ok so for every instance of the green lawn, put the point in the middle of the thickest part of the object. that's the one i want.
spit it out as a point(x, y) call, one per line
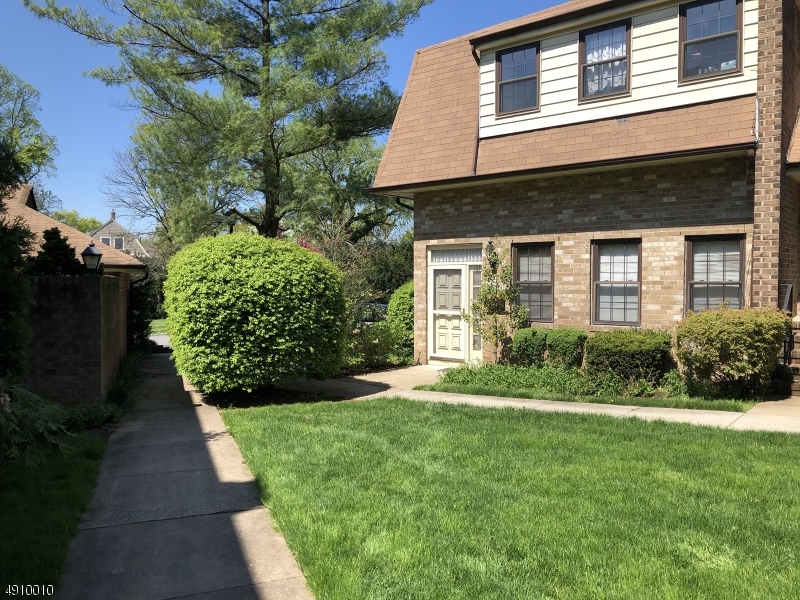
point(398, 499)
point(539, 394)
point(158, 326)
point(40, 508)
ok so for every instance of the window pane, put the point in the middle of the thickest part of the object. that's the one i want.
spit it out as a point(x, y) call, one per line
point(538, 299)
point(518, 95)
point(118, 243)
point(106, 241)
point(534, 263)
point(606, 44)
point(709, 295)
point(617, 302)
point(618, 262)
point(605, 78)
point(711, 56)
point(517, 64)
point(716, 260)
point(711, 18)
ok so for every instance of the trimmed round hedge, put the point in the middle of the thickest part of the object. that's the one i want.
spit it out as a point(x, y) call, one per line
point(245, 311)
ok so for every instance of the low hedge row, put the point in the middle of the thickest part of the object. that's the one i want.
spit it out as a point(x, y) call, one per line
point(725, 352)
point(563, 347)
point(629, 354)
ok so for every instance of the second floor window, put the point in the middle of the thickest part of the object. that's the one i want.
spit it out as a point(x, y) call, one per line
point(518, 77)
point(604, 60)
point(710, 38)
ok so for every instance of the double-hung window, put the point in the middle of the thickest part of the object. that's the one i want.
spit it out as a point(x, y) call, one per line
point(714, 272)
point(105, 240)
point(533, 275)
point(615, 276)
point(518, 79)
point(604, 60)
point(711, 34)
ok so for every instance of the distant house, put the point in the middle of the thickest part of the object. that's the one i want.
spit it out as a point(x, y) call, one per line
point(114, 235)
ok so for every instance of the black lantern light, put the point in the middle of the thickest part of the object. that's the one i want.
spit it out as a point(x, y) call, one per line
point(492, 257)
point(91, 258)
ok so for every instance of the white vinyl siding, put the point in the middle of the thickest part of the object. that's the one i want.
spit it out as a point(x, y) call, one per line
point(653, 71)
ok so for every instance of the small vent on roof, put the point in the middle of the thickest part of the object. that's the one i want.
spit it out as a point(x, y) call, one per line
point(623, 119)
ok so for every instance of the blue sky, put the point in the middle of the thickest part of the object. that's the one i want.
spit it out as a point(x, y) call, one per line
point(85, 116)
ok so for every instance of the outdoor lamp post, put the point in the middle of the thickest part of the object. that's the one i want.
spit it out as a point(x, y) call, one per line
point(91, 258)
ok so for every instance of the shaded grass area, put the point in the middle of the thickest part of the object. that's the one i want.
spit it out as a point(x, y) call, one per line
point(158, 326)
point(266, 396)
point(40, 508)
point(398, 499)
point(539, 394)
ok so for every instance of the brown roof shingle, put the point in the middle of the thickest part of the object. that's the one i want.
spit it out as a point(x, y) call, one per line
point(18, 205)
point(433, 136)
point(726, 123)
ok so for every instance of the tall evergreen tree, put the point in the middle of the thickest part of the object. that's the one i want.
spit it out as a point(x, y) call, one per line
point(23, 136)
point(256, 83)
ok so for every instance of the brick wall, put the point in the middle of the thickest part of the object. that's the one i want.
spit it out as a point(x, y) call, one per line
point(767, 192)
point(659, 204)
point(78, 328)
point(790, 197)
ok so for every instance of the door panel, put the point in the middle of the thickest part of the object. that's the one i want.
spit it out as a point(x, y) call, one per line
point(448, 327)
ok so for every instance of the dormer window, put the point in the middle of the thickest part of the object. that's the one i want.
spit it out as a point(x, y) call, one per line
point(604, 60)
point(518, 79)
point(710, 39)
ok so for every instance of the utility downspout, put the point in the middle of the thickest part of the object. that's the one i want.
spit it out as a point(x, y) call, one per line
point(478, 118)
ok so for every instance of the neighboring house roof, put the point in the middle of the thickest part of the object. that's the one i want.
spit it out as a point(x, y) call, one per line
point(22, 204)
point(112, 228)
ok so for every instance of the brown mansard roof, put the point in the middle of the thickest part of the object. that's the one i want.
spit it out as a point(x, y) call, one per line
point(23, 204)
point(433, 139)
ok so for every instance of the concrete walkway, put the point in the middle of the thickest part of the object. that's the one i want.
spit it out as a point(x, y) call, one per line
point(176, 513)
point(782, 415)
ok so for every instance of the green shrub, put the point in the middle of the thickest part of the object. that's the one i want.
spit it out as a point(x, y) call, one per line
point(731, 352)
point(142, 309)
point(56, 256)
point(529, 346)
point(565, 347)
point(91, 415)
point(672, 384)
point(629, 354)
point(371, 345)
point(555, 379)
point(245, 311)
point(15, 297)
point(28, 424)
point(400, 316)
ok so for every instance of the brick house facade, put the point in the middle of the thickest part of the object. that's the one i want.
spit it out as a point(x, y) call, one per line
point(679, 183)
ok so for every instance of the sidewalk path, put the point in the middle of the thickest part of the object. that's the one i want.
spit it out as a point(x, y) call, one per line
point(782, 415)
point(176, 513)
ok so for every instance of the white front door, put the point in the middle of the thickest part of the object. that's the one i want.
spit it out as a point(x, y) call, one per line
point(449, 329)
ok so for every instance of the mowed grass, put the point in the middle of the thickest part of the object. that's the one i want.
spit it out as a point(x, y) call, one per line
point(158, 326)
point(40, 508)
point(398, 499)
point(539, 394)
